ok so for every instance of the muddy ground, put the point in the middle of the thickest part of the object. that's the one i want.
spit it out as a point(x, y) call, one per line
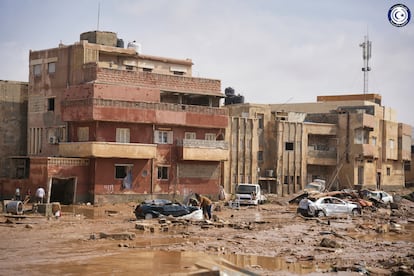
point(266, 240)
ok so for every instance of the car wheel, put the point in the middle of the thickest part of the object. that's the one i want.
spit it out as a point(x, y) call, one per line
point(355, 212)
point(320, 214)
point(148, 216)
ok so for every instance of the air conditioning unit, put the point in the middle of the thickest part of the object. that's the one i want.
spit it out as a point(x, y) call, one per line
point(53, 140)
point(269, 173)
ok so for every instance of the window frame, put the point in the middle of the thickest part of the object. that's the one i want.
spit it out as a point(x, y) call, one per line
point(123, 135)
point(51, 104)
point(51, 68)
point(125, 168)
point(287, 146)
point(37, 70)
point(163, 172)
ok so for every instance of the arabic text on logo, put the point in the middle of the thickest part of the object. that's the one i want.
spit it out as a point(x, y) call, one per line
point(399, 15)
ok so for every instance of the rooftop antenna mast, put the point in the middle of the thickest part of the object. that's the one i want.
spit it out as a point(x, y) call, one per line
point(366, 55)
point(99, 12)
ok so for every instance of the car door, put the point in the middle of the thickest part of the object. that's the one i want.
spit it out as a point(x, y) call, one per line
point(340, 206)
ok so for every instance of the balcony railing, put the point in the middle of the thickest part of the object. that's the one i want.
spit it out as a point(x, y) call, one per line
point(147, 105)
point(108, 150)
point(203, 150)
point(199, 143)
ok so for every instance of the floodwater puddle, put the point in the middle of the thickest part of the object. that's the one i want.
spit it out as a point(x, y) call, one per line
point(89, 212)
point(404, 232)
point(137, 262)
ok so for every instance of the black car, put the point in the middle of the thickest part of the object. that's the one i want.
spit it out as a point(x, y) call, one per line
point(162, 207)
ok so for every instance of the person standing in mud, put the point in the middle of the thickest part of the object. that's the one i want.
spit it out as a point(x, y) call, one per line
point(205, 205)
point(40, 194)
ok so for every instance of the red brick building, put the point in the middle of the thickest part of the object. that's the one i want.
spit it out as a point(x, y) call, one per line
point(107, 123)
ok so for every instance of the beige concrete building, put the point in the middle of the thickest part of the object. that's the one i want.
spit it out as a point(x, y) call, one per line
point(348, 141)
point(13, 116)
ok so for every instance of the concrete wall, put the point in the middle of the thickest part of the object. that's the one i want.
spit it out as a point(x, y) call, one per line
point(13, 124)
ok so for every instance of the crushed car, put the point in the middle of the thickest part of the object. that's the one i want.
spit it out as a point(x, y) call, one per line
point(379, 195)
point(331, 206)
point(155, 208)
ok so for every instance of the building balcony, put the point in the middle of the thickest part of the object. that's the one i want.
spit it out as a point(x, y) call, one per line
point(365, 150)
point(365, 121)
point(322, 157)
point(108, 150)
point(203, 150)
point(93, 109)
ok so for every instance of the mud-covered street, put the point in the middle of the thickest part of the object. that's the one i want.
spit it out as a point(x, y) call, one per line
point(267, 240)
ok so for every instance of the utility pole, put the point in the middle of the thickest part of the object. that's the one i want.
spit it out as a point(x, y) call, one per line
point(366, 55)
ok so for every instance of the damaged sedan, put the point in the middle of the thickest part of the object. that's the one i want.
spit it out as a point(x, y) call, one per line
point(162, 207)
point(331, 206)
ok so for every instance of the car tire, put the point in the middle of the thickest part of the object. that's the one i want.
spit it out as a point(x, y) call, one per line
point(356, 212)
point(320, 214)
point(148, 216)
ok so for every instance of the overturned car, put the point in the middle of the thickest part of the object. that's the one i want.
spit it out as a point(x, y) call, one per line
point(162, 207)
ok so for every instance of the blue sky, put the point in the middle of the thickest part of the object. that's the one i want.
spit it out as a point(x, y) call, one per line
point(270, 51)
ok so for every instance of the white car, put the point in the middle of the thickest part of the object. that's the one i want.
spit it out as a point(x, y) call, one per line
point(330, 206)
point(381, 195)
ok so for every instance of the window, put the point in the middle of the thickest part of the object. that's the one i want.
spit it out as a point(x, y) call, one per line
point(260, 155)
point(407, 166)
point(163, 173)
point(37, 70)
point(129, 67)
point(163, 137)
point(122, 170)
point(122, 135)
point(190, 135)
point(51, 67)
point(179, 73)
point(388, 171)
point(83, 134)
point(288, 146)
point(210, 136)
point(51, 104)
point(147, 70)
point(260, 117)
point(361, 136)
point(374, 140)
point(391, 143)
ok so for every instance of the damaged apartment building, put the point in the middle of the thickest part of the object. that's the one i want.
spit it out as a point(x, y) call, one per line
point(99, 122)
point(107, 123)
point(350, 141)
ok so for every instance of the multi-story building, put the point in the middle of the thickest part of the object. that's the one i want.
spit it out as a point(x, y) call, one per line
point(108, 123)
point(13, 125)
point(349, 141)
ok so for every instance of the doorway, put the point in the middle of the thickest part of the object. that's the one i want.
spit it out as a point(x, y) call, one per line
point(63, 190)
